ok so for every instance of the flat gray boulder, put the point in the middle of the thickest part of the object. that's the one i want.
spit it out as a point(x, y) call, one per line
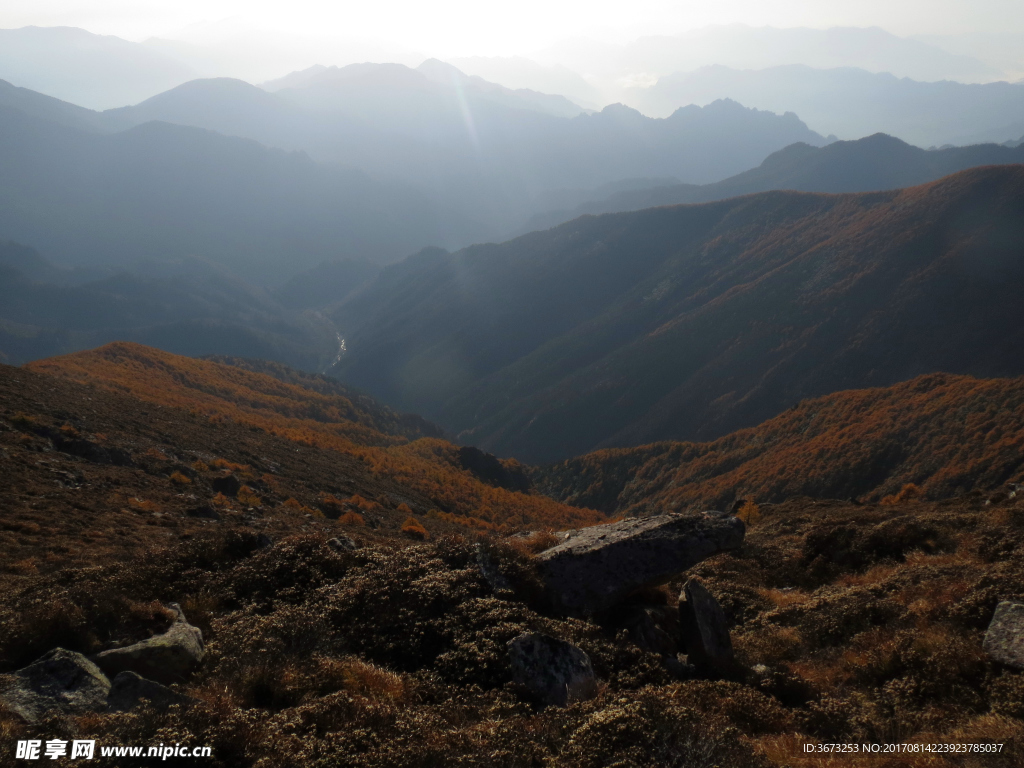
point(705, 627)
point(129, 691)
point(167, 658)
point(60, 681)
point(594, 568)
point(555, 672)
point(1004, 640)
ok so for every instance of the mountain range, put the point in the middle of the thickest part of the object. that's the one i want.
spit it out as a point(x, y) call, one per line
point(689, 322)
point(850, 102)
point(499, 155)
point(94, 71)
point(188, 306)
point(167, 192)
point(370, 162)
point(874, 163)
point(741, 46)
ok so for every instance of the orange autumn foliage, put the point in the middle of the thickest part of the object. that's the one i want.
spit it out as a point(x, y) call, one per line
point(413, 528)
point(936, 436)
point(218, 392)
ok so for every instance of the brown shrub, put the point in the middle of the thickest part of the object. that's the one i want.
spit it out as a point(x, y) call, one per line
point(414, 529)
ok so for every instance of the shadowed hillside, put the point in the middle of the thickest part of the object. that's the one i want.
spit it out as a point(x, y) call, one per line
point(690, 322)
point(323, 416)
point(947, 435)
point(187, 306)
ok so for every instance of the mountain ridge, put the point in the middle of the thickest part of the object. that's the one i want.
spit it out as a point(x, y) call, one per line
point(871, 164)
point(689, 322)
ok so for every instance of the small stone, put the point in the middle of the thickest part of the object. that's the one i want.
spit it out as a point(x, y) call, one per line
point(59, 681)
point(342, 544)
point(229, 485)
point(167, 658)
point(129, 690)
point(653, 628)
point(1004, 640)
point(555, 672)
point(489, 570)
point(204, 511)
point(705, 627)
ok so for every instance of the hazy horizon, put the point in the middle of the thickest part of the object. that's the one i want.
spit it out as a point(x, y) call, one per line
point(456, 28)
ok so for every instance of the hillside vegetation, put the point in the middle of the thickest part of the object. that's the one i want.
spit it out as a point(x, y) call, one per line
point(944, 435)
point(401, 450)
point(689, 322)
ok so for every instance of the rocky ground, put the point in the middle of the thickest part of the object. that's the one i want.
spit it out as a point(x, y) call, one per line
point(328, 643)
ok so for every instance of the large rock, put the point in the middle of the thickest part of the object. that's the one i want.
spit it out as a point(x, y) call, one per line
point(60, 681)
point(1004, 640)
point(555, 672)
point(128, 691)
point(595, 568)
point(705, 628)
point(167, 658)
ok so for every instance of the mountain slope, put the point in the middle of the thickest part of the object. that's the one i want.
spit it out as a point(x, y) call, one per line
point(163, 191)
point(334, 643)
point(946, 434)
point(874, 163)
point(690, 322)
point(322, 415)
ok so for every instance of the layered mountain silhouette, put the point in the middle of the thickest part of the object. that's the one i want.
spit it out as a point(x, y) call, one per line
point(168, 192)
point(428, 156)
point(189, 306)
point(690, 322)
point(497, 154)
point(744, 47)
point(851, 102)
point(874, 163)
point(94, 71)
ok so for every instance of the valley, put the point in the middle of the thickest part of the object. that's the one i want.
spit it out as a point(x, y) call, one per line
point(534, 387)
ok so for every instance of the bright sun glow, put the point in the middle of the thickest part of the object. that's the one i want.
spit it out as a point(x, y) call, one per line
point(469, 27)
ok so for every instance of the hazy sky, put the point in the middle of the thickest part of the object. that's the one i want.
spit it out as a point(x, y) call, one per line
point(501, 27)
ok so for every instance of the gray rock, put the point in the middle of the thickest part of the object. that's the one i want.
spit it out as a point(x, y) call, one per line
point(1004, 640)
point(129, 690)
point(653, 628)
point(60, 681)
point(342, 544)
point(489, 570)
point(204, 511)
point(705, 627)
point(228, 484)
point(555, 672)
point(594, 568)
point(167, 658)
